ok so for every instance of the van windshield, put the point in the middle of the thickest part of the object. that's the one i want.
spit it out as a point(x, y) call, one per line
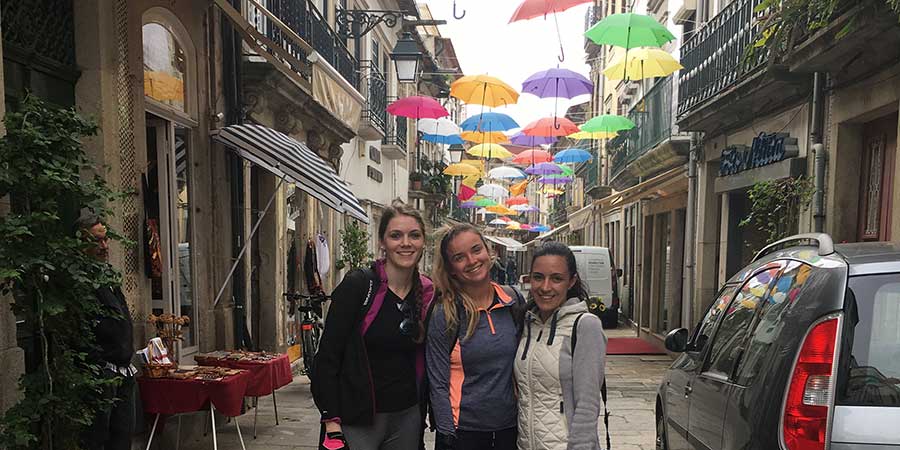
point(870, 376)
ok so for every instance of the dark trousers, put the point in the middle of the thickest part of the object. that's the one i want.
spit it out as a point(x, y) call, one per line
point(112, 427)
point(487, 440)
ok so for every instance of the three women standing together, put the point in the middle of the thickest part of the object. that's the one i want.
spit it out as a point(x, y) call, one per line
point(501, 374)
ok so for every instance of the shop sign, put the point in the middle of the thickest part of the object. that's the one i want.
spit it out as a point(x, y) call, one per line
point(767, 148)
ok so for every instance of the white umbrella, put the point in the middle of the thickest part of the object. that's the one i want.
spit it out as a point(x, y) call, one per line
point(493, 190)
point(520, 207)
point(439, 127)
point(498, 223)
point(506, 172)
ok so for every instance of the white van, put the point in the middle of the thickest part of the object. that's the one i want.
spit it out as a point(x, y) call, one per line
point(596, 269)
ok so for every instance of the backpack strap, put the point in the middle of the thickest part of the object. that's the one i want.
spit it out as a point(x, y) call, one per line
point(517, 309)
point(603, 393)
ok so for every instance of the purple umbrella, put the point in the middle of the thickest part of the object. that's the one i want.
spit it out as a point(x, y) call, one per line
point(562, 83)
point(468, 205)
point(530, 141)
point(555, 180)
point(544, 168)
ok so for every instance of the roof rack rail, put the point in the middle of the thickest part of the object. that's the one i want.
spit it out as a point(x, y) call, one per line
point(823, 241)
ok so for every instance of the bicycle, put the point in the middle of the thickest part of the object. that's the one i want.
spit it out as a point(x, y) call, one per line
point(308, 310)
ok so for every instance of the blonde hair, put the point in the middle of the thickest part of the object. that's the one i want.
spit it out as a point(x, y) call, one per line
point(449, 287)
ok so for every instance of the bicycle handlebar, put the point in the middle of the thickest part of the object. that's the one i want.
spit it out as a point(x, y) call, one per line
point(316, 298)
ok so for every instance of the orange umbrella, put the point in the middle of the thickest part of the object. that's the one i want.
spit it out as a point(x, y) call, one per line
point(530, 157)
point(550, 126)
point(483, 90)
point(517, 200)
point(518, 188)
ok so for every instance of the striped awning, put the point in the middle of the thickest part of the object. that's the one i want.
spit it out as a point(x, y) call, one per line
point(287, 157)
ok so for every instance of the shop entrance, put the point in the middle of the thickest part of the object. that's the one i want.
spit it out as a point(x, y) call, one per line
point(876, 186)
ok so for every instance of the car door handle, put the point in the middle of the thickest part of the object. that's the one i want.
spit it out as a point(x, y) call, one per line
point(687, 390)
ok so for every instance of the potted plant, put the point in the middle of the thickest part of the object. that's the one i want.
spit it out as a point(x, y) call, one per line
point(415, 180)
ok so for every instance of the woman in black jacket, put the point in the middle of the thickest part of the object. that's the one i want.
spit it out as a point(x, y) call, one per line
point(368, 372)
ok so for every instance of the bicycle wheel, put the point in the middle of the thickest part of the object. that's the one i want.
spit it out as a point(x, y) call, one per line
point(310, 345)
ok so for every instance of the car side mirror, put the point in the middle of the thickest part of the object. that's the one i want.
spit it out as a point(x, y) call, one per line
point(677, 340)
point(619, 272)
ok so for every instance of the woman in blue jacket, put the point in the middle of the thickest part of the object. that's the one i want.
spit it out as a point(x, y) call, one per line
point(472, 340)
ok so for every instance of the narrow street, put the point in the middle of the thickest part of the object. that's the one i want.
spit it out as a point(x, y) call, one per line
point(632, 383)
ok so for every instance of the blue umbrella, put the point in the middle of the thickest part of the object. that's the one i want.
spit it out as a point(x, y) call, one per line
point(572, 155)
point(489, 121)
point(446, 140)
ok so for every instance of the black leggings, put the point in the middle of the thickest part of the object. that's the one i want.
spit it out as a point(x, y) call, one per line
point(487, 440)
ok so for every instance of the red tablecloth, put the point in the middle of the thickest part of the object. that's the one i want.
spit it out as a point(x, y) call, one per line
point(266, 376)
point(171, 396)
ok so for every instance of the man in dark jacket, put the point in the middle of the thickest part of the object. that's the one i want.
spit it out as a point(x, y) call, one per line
point(112, 427)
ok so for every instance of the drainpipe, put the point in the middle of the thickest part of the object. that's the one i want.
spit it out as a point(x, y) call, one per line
point(815, 141)
point(690, 232)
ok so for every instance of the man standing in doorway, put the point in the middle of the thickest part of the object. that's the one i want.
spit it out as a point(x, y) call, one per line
point(113, 333)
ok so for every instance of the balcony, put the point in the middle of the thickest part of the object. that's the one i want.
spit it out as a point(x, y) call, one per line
point(723, 83)
point(653, 145)
point(393, 146)
point(373, 125)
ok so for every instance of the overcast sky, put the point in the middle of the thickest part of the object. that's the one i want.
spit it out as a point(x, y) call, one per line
point(486, 43)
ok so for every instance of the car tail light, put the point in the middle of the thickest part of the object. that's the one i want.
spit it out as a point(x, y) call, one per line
point(811, 390)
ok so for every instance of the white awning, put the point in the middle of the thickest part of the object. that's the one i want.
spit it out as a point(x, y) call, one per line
point(511, 244)
point(291, 159)
point(579, 219)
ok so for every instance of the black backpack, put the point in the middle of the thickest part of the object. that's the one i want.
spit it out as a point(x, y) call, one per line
point(603, 394)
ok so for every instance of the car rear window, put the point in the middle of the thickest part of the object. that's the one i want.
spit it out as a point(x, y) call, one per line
point(870, 376)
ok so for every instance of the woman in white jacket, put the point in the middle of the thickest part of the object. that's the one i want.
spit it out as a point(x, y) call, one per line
point(559, 392)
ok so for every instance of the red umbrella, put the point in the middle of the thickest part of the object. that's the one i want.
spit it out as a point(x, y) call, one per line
point(530, 9)
point(417, 107)
point(550, 126)
point(517, 200)
point(530, 157)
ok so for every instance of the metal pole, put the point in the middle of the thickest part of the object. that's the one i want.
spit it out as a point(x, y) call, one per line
point(250, 238)
point(817, 110)
point(690, 233)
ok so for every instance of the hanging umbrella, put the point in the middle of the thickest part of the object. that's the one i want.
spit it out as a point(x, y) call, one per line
point(461, 170)
point(557, 83)
point(544, 168)
point(417, 107)
point(554, 180)
point(518, 188)
point(506, 172)
point(483, 90)
point(445, 140)
point(441, 127)
point(549, 190)
point(489, 151)
point(499, 209)
point(524, 140)
point(489, 121)
point(589, 135)
point(642, 63)
point(532, 157)
point(540, 228)
point(607, 123)
point(482, 137)
point(493, 190)
point(572, 155)
point(530, 9)
point(550, 126)
point(517, 200)
point(629, 30)
point(566, 171)
point(525, 208)
point(525, 227)
point(470, 204)
point(514, 226)
point(485, 202)
point(497, 223)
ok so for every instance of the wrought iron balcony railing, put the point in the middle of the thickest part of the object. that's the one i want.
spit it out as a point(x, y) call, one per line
point(302, 17)
point(396, 130)
point(376, 96)
point(718, 55)
point(401, 131)
point(652, 116)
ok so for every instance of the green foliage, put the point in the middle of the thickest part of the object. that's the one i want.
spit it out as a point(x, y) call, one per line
point(775, 205)
point(49, 179)
point(354, 247)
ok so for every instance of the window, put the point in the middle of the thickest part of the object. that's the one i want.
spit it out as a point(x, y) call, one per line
point(729, 339)
point(708, 325)
point(871, 374)
point(783, 294)
point(164, 66)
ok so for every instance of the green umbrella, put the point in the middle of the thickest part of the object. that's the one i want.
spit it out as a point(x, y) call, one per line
point(629, 30)
point(566, 170)
point(607, 123)
point(485, 202)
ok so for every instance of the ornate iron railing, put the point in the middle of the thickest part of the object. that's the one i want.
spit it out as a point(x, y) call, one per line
point(376, 96)
point(302, 17)
point(401, 131)
point(718, 55)
point(41, 27)
point(652, 116)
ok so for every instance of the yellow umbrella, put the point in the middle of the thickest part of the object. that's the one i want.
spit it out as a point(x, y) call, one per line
point(483, 90)
point(493, 137)
point(471, 180)
point(500, 209)
point(489, 151)
point(518, 188)
point(460, 169)
point(514, 226)
point(592, 135)
point(641, 63)
point(547, 190)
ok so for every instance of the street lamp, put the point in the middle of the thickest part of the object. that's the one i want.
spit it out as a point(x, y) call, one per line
point(456, 152)
point(406, 57)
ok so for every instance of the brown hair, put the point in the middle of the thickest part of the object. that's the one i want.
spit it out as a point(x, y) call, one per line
point(449, 287)
point(400, 209)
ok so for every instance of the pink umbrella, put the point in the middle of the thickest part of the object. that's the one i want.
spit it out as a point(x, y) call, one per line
point(550, 126)
point(517, 200)
point(532, 157)
point(417, 107)
point(530, 9)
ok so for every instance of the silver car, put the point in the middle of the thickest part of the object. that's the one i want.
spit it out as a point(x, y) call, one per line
point(800, 350)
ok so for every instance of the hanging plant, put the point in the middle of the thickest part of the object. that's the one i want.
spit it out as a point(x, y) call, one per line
point(44, 266)
point(354, 247)
point(775, 205)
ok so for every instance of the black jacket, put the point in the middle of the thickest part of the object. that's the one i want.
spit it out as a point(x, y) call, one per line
point(113, 331)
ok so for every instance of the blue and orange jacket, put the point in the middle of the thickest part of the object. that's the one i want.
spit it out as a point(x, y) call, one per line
point(471, 384)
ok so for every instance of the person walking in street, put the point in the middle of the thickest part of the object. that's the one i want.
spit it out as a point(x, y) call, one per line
point(113, 425)
point(368, 372)
point(559, 382)
point(472, 338)
point(512, 272)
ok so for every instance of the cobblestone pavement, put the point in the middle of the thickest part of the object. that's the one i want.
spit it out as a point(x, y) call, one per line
point(632, 383)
